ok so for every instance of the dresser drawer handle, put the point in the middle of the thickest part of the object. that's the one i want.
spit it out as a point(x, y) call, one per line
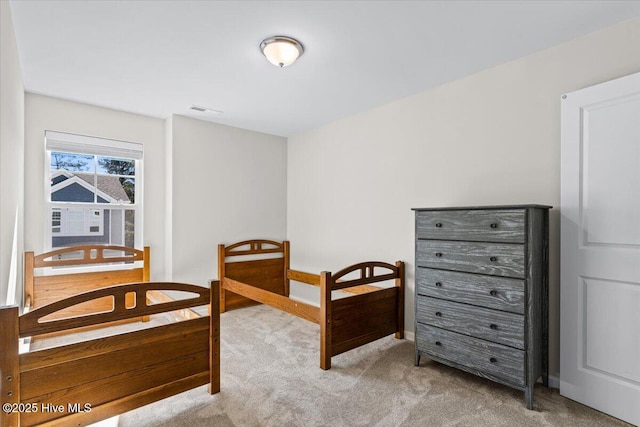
point(438, 343)
point(439, 284)
point(438, 224)
point(493, 360)
point(493, 292)
point(438, 314)
point(439, 254)
point(494, 225)
point(493, 326)
point(493, 259)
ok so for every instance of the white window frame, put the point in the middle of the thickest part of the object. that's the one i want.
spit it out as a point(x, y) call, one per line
point(103, 147)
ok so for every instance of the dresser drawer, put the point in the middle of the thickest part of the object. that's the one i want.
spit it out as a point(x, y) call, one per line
point(500, 293)
point(491, 325)
point(479, 356)
point(472, 225)
point(498, 259)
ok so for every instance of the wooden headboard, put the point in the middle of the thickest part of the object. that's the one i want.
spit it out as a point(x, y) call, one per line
point(93, 380)
point(41, 289)
point(266, 269)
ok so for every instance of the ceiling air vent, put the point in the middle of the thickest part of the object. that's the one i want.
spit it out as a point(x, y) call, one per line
point(205, 110)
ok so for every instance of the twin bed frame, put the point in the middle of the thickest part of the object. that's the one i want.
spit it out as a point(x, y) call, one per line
point(85, 382)
point(257, 271)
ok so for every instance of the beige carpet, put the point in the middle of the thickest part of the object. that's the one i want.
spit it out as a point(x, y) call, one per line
point(270, 377)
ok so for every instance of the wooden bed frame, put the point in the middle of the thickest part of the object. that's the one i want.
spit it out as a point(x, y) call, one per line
point(40, 290)
point(85, 382)
point(345, 323)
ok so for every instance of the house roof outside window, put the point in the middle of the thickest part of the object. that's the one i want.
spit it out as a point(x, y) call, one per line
point(109, 186)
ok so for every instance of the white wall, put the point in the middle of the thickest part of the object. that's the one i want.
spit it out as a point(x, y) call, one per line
point(168, 198)
point(491, 138)
point(229, 184)
point(11, 158)
point(46, 113)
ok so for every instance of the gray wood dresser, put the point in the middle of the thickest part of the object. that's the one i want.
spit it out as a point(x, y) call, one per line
point(482, 291)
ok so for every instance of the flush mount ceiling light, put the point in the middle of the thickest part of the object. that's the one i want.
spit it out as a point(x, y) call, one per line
point(281, 51)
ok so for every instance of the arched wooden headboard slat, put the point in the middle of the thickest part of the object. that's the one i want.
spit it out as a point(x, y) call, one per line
point(44, 260)
point(367, 274)
point(31, 324)
point(255, 247)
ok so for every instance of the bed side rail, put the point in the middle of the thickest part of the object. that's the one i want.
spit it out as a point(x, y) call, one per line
point(303, 277)
point(368, 273)
point(32, 323)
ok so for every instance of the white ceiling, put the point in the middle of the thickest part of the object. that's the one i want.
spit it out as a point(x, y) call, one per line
point(159, 57)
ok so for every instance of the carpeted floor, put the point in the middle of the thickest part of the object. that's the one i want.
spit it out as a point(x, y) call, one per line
point(270, 377)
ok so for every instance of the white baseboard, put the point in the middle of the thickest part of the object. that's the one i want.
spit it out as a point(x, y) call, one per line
point(409, 336)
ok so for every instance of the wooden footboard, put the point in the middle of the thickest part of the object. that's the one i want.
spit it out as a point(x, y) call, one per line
point(85, 382)
point(360, 319)
point(350, 322)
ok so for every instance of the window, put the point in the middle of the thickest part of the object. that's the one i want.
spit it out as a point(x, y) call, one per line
point(56, 220)
point(94, 191)
point(76, 222)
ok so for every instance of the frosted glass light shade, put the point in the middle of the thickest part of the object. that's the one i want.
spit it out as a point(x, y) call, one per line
point(281, 51)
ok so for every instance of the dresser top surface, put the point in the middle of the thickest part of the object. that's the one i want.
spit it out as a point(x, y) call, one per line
point(456, 208)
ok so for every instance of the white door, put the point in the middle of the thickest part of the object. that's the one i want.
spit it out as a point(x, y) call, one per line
point(600, 248)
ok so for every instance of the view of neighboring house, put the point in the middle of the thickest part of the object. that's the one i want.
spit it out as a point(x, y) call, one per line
point(81, 225)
